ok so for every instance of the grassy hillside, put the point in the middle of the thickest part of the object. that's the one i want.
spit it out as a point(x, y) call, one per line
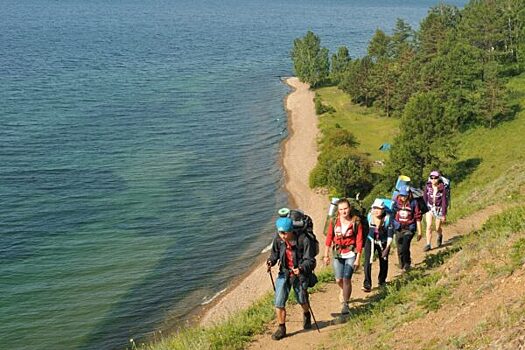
point(370, 129)
point(470, 296)
point(491, 162)
point(491, 165)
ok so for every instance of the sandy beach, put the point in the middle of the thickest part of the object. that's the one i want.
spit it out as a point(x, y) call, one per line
point(299, 156)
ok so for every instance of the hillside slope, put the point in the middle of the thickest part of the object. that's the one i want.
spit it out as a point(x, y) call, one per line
point(467, 295)
point(371, 328)
point(475, 305)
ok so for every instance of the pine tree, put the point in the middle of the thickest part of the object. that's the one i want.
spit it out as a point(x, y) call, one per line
point(493, 102)
point(425, 141)
point(349, 175)
point(434, 30)
point(356, 81)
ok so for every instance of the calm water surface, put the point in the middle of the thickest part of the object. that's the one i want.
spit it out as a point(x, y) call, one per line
point(139, 146)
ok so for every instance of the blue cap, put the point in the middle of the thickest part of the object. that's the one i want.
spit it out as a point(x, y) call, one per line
point(284, 225)
point(403, 191)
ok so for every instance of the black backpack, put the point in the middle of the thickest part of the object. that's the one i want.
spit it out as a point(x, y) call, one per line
point(417, 194)
point(303, 225)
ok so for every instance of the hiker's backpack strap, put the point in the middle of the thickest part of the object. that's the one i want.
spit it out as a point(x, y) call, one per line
point(357, 222)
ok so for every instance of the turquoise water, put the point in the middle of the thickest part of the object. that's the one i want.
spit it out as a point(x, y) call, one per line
point(139, 146)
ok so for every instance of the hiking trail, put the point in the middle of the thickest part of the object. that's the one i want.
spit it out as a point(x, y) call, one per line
point(326, 305)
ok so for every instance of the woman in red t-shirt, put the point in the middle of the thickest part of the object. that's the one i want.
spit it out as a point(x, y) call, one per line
point(345, 237)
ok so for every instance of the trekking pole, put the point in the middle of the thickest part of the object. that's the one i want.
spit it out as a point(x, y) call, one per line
point(309, 306)
point(271, 279)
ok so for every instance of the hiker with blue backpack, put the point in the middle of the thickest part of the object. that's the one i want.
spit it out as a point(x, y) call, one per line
point(436, 195)
point(295, 253)
point(345, 238)
point(407, 221)
point(379, 239)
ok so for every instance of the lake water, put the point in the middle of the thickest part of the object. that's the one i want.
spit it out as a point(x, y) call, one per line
point(139, 154)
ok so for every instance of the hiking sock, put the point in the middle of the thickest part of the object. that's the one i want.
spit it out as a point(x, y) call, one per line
point(280, 333)
point(345, 310)
point(307, 320)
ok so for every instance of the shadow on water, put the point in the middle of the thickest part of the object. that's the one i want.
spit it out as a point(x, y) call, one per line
point(119, 325)
point(180, 278)
point(173, 284)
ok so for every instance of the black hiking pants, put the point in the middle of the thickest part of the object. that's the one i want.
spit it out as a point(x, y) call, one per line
point(403, 240)
point(383, 264)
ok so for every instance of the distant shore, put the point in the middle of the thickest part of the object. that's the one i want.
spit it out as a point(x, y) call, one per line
point(298, 158)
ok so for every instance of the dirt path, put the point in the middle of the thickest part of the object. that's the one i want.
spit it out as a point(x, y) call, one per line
point(326, 305)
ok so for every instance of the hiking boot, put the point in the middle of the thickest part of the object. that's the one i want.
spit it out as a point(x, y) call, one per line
point(406, 268)
point(381, 283)
point(440, 240)
point(366, 289)
point(427, 248)
point(280, 333)
point(307, 320)
point(345, 310)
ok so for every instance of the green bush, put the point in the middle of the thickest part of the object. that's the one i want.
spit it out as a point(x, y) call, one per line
point(321, 108)
point(340, 137)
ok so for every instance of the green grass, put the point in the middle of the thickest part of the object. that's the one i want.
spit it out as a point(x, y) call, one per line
point(235, 332)
point(370, 129)
point(426, 289)
point(491, 165)
point(231, 334)
point(502, 239)
point(491, 162)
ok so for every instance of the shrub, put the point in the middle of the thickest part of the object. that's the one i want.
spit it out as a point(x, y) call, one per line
point(321, 108)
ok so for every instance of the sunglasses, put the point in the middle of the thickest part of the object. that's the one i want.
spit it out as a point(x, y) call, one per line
point(434, 177)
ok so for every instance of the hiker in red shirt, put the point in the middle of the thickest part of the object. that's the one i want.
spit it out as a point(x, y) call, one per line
point(345, 237)
point(296, 258)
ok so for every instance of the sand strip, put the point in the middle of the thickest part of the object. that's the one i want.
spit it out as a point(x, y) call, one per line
point(299, 156)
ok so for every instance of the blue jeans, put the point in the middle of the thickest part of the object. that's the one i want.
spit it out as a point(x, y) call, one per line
point(343, 268)
point(283, 285)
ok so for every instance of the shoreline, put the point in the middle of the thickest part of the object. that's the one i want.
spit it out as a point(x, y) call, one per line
point(298, 156)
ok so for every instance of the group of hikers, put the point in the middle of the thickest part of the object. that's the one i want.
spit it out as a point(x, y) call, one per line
point(294, 247)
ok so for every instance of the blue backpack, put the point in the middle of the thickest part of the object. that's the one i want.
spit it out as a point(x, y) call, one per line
point(386, 222)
